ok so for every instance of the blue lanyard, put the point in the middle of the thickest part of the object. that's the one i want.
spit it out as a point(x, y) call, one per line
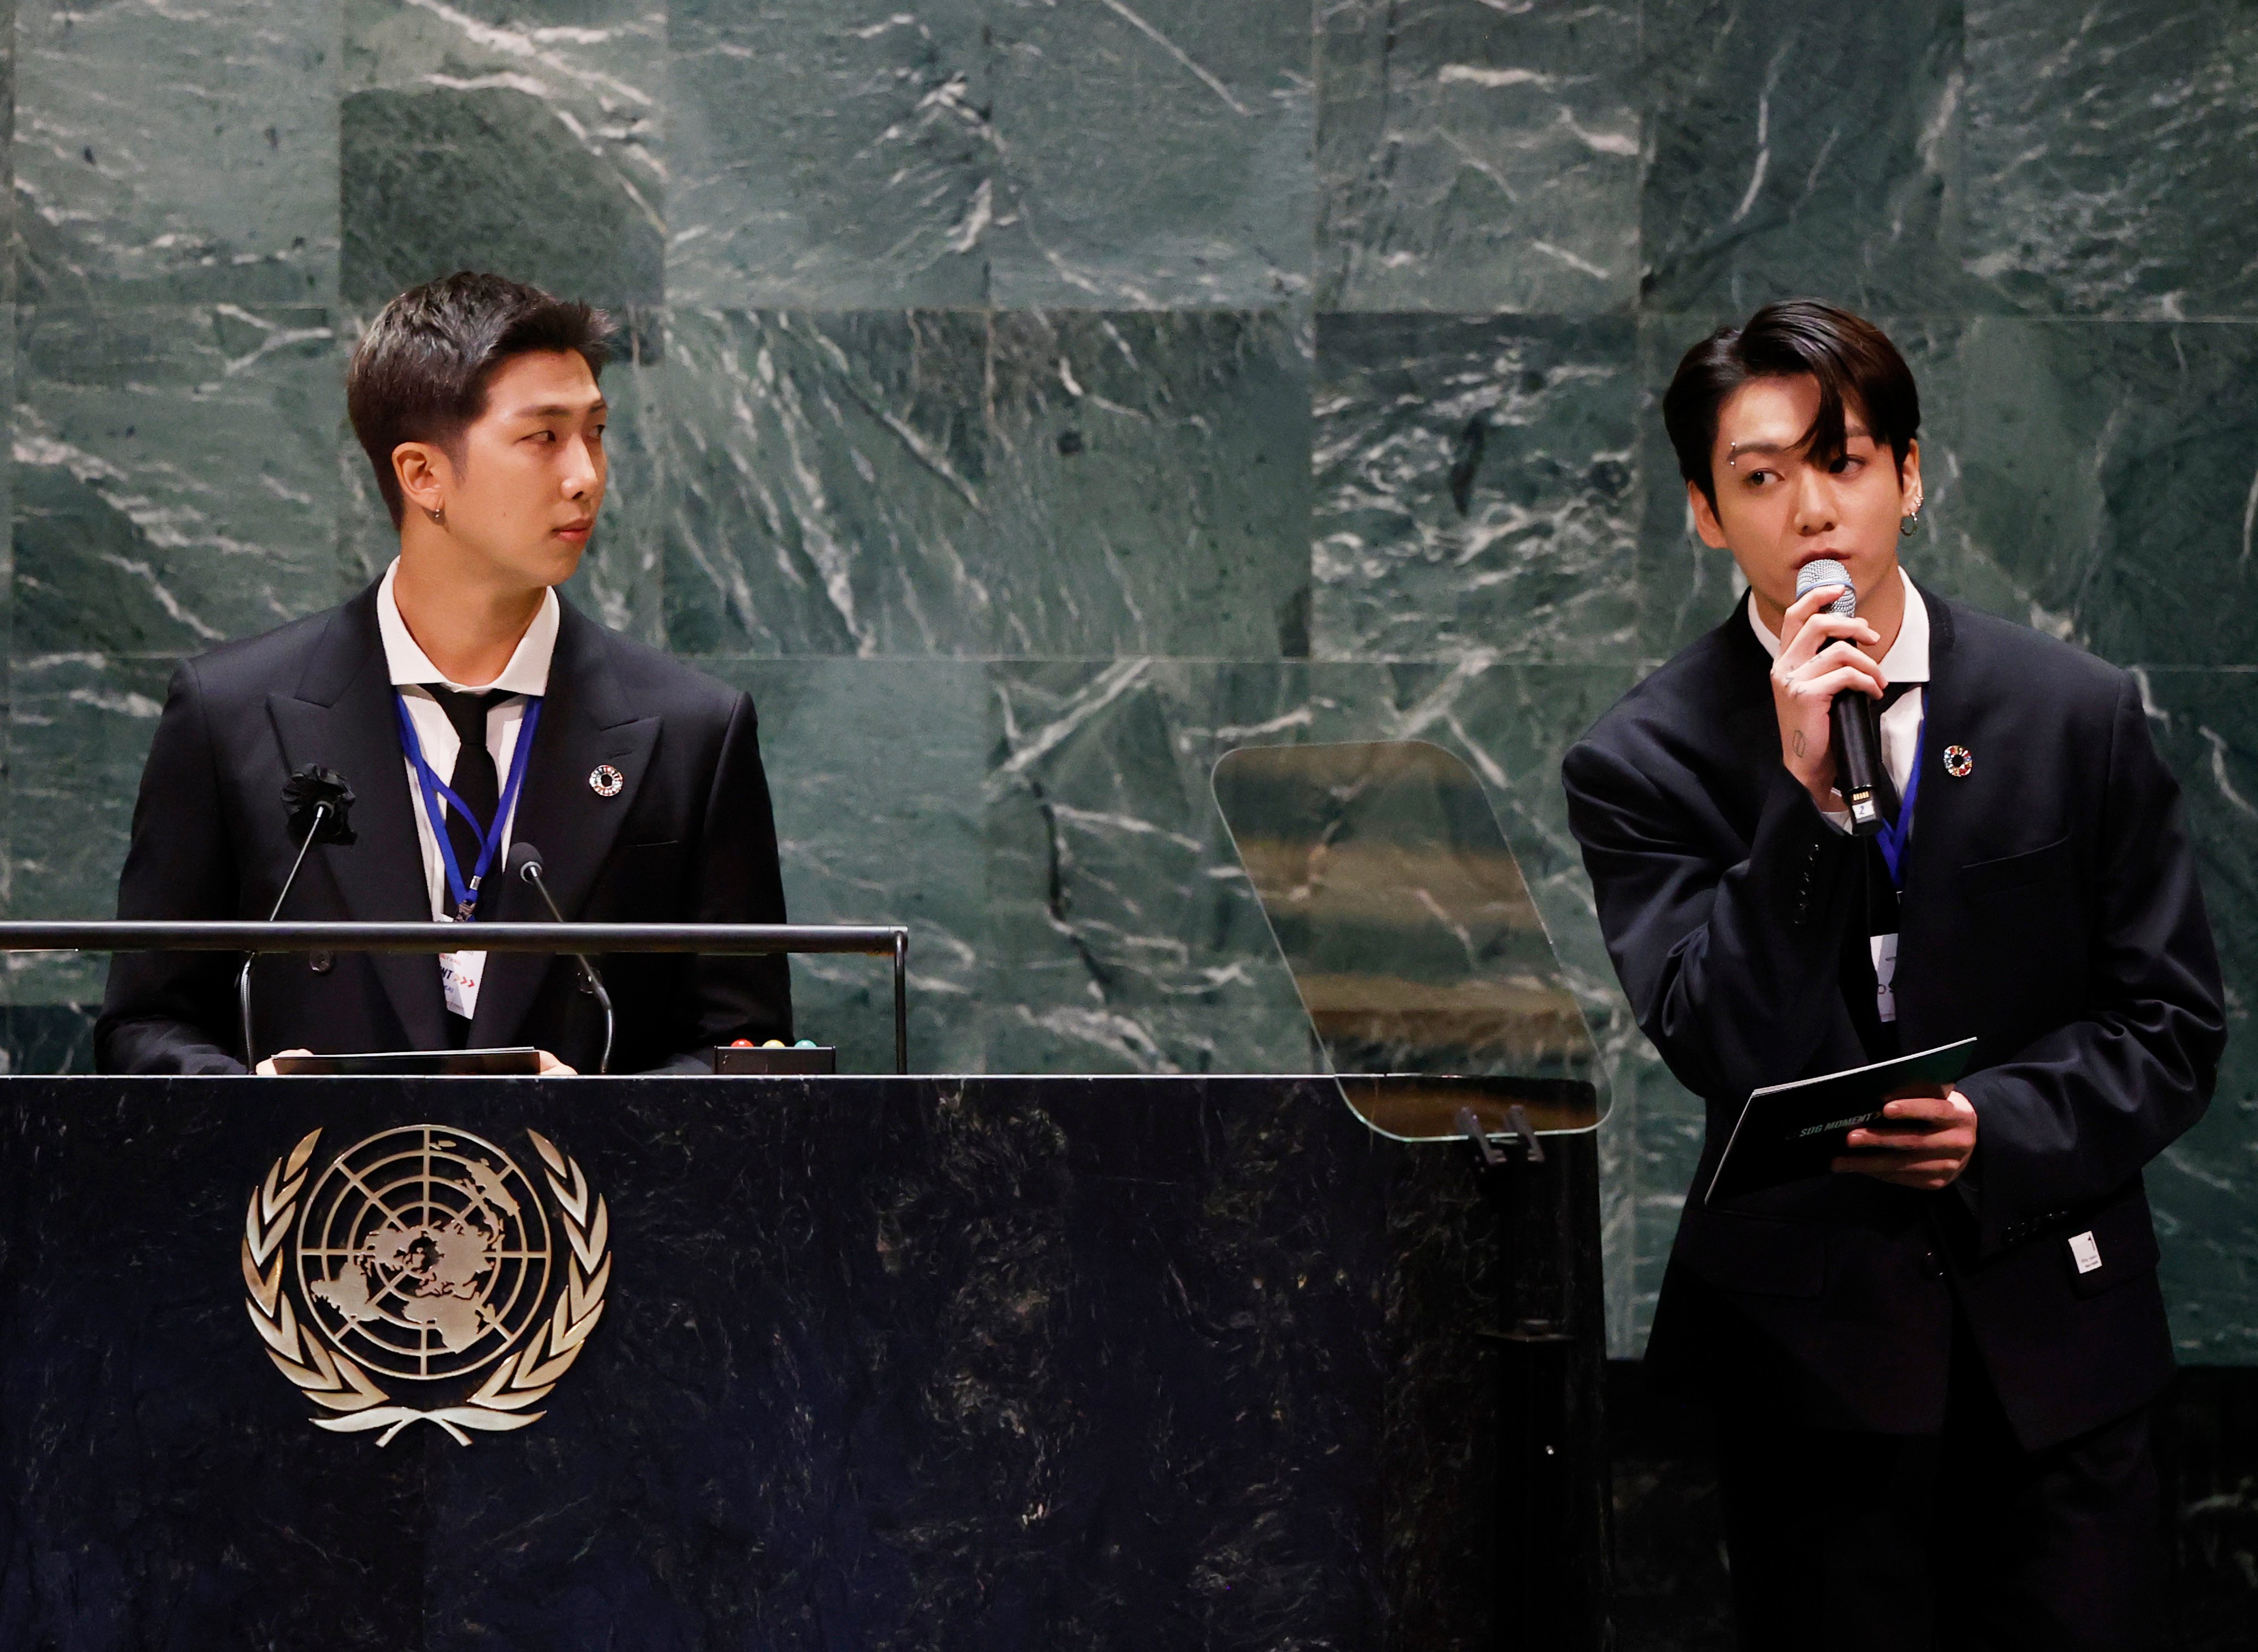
point(433, 789)
point(1893, 835)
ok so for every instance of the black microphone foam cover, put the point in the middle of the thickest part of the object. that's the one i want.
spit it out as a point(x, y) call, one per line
point(304, 793)
point(526, 860)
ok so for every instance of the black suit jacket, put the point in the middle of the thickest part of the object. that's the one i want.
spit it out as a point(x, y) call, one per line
point(688, 838)
point(2050, 911)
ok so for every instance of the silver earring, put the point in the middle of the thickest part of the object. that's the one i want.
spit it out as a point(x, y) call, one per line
point(1908, 522)
point(438, 516)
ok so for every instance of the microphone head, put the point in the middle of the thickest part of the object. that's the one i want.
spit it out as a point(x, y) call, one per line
point(525, 861)
point(1828, 571)
point(304, 793)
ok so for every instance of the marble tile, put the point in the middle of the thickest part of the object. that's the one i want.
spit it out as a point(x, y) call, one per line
point(876, 767)
point(1149, 153)
point(1476, 158)
point(8, 667)
point(1124, 937)
point(2205, 723)
point(821, 483)
point(518, 136)
point(48, 1037)
point(174, 478)
point(174, 154)
point(9, 208)
point(1796, 155)
point(79, 727)
point(2107, 157)
point(1475, 488)
point(943, 483)
point(829, 154)
point(1151, 485)
point(2101, 484)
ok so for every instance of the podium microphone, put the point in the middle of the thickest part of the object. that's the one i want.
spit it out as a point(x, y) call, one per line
point(1857, 734)
point(526, 862)
point(320, 804)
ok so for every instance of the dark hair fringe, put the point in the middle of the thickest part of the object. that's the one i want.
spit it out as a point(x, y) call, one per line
point(421, 371)
point(1853, 361)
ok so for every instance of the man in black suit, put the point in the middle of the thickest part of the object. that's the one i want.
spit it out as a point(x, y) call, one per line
point(1931, 1368)
point(467, 705)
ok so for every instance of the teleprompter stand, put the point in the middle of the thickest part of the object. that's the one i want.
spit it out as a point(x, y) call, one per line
point(1434, 992)
point(1553, 1541)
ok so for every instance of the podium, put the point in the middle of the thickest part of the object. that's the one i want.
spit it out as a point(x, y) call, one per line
point(935, 1362)
point(700, 1362)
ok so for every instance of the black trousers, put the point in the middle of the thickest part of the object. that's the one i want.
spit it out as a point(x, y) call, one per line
point(1866, 1542)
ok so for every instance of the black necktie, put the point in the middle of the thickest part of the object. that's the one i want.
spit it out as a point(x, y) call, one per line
point(473, 780)
point(1891, 696)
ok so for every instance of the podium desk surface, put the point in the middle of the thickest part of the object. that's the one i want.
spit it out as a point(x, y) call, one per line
point(776, 1363)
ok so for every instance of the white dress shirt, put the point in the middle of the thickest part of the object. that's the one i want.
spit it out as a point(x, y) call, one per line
point(1906, 662)
point(526, 675)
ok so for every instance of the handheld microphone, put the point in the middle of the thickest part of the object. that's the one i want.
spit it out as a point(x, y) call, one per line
point(320, 811)
point(1857, 734)
point(526, 862)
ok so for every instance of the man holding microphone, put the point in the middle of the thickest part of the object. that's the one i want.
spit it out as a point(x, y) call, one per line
point(1930, 1368)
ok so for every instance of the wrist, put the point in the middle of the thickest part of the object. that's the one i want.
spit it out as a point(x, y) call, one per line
point(1819, 787)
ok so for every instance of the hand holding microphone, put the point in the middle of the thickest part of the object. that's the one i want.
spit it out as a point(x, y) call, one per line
point(1822, 682)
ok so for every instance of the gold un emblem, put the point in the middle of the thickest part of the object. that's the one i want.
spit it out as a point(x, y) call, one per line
point(425, 1255)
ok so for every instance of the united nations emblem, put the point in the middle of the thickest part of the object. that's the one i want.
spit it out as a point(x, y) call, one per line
point(425, 1255)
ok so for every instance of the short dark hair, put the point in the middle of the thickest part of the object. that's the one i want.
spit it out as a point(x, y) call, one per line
point(1853, 361)
point(420, 372)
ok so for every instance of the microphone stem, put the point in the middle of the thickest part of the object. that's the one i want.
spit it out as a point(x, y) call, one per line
point(313, 831)
point(588, 970)
point(243, 976)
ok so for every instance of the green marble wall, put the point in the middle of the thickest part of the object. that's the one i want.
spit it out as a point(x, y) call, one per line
point(1029, 399)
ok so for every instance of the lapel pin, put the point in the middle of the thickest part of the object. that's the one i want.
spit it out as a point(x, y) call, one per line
point(605, 781)
point(1959, 762)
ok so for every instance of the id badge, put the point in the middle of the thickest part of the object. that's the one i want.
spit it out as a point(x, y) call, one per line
point(1885, 950)
point(460, 974)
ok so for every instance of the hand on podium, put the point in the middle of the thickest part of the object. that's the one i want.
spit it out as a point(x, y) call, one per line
point(551, 1067)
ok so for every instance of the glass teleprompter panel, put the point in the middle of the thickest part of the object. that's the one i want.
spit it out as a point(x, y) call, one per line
point(1421, 961)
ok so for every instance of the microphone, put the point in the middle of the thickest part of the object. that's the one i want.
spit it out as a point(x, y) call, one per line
point(526, 862)
point(1857, 732)
point(319, 805)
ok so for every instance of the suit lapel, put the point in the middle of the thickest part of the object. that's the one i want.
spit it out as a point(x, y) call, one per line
point(1943, 818)
point(585, 721)
point(1939, 822)
point(341, 715)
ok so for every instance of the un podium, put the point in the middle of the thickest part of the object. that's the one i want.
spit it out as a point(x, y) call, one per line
point(702, 1363)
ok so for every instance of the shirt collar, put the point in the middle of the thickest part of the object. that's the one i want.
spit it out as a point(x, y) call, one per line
point(1907, 660)
point(527, 672)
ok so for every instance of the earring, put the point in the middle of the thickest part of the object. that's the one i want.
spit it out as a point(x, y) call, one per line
point(439, 516)
point(1909, 521)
